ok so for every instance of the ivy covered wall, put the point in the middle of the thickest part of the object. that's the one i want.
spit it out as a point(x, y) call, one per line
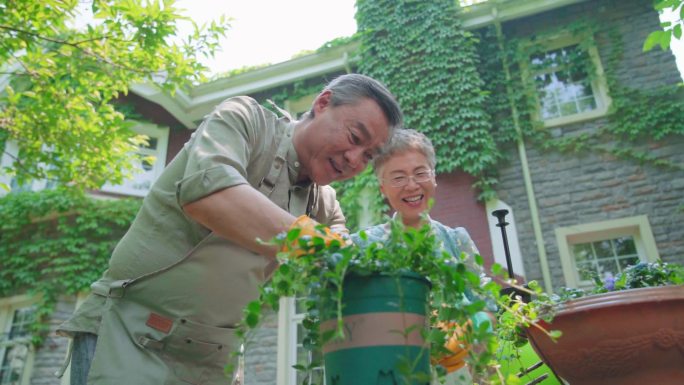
point(627, 163)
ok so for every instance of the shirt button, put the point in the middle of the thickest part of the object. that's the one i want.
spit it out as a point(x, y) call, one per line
point(296, 164)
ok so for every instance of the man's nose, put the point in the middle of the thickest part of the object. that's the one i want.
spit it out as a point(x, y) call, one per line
point(355, 158)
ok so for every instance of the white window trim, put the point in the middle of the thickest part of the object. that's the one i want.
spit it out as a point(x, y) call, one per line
point(637, 227)
point(599, 85)
point(9, 153)
point(7, 307)
point(162, 135)
point(287, 343)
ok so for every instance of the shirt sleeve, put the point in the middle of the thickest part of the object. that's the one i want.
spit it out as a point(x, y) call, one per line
point(219, 151)
point(461, 238)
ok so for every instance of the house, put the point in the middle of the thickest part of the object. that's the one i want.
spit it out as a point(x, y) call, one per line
point(576, 208)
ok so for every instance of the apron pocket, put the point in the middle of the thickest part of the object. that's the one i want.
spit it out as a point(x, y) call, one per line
point(199, 353)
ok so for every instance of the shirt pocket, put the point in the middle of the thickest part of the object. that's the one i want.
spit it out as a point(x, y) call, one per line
point(199, 353)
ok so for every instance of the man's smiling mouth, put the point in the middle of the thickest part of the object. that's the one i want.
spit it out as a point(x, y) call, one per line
point(334, 166)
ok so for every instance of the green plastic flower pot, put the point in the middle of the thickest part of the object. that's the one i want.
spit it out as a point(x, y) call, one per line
point(383, 318)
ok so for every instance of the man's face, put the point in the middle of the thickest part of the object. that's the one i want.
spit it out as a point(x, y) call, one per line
point(340, 141)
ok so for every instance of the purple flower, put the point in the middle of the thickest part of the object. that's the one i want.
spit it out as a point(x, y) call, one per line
point(609, 282)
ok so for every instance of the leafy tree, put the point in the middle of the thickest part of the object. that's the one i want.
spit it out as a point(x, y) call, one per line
point(59, 81)
point(670, 29)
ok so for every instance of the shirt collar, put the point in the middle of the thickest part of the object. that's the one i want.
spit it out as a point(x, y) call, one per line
point(294, 166)
point(395, 217)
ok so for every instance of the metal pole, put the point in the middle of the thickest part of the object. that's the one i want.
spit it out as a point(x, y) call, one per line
point(501, 215)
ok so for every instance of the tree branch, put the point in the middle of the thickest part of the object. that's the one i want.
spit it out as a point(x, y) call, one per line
point(77, 46)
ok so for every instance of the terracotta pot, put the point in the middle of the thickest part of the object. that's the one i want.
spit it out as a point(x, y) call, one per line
point(625, 337)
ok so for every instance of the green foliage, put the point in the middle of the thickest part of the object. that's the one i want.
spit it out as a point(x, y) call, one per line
point(360, 195)
point(640, 275)
point(637, 116)
point(670, 29)
point(58, 106)
point(57, 242)
point(422, 53)
point(318, 267)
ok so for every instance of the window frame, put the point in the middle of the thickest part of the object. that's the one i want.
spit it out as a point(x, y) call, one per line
point(636, 226)
point(8, 306)
point(599, 84)
point(288, 320)
point(162, 136)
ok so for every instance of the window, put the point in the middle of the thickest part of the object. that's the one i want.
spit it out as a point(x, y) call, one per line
point(569, 83)
point(605, 257)
point(9, 155)
point(150, 161)
point(290, 346)
point(16, 352)
point(604, 248)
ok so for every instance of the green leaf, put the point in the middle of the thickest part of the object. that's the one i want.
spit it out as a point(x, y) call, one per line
point(653, 39)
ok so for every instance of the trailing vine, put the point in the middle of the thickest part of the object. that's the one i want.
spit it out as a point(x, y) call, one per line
point(57, 242)
point(422, 53)
point(636, 116)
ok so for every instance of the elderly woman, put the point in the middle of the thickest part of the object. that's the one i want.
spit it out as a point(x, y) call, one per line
point(405, 171)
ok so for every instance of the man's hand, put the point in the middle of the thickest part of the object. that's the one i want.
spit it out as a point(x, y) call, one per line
point(311, 228)
point(456, 345)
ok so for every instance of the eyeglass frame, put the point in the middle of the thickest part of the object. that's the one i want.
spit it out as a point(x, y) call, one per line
point(430, 173)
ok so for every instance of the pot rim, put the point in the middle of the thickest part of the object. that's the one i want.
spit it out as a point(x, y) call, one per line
point(623, 297)
point(402, 274)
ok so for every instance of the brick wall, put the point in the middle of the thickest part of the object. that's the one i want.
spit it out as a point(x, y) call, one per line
point(261, 353)
point(456, 205)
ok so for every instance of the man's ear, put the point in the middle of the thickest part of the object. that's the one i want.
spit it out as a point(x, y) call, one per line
point(322, 101)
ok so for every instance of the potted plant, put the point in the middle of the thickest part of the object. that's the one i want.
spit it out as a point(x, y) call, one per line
point(627, 330)
point(405, 277)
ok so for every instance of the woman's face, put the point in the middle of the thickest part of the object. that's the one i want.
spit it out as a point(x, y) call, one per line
point(408, 182)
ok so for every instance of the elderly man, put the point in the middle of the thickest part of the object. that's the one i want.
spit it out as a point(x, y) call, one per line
point(177, 281)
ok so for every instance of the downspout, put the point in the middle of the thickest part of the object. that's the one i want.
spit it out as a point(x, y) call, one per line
point(529, 189)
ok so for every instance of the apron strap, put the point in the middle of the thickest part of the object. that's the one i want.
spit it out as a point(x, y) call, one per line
point(67, 360)
point(268, 183)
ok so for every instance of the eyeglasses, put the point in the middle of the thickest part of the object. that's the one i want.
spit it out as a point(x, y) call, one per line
point(403, 180)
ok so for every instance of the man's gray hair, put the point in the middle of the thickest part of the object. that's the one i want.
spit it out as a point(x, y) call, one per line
point(351, 88)
point(402, 141)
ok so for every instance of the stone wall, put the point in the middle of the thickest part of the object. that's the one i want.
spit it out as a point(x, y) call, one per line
point(49, 357)
point(583, 188)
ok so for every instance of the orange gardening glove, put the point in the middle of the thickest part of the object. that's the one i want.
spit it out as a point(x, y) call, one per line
point(311, 228)
point(456, 345)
